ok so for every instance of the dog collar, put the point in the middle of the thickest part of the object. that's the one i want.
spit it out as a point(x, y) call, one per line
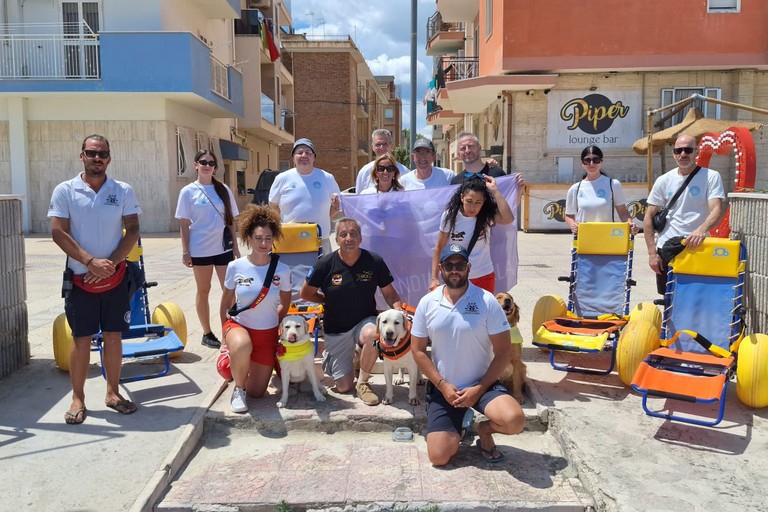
point(294, 352)
point(395, 352)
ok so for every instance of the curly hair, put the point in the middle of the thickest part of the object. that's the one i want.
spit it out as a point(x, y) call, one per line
point(258, 216)
point(485, 217)
point(395, 182)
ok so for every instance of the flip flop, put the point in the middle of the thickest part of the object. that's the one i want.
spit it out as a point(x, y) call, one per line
point(122, 406)
point(75, 416)
point(493, 455)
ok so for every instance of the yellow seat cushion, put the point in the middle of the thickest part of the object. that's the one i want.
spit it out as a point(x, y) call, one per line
point(297, 238)
point(603, 238)
point(717, 257)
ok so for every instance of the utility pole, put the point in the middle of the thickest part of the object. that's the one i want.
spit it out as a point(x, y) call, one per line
point(414, 20)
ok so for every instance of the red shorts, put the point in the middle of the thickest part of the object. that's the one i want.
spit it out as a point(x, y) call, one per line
point(264, 342)
point(486, 282)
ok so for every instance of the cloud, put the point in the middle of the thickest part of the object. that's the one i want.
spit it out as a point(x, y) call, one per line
point(382, 32)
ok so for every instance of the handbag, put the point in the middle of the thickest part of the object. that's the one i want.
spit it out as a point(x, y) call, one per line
point(104, 285)
point(227, 243)
point(659, 219)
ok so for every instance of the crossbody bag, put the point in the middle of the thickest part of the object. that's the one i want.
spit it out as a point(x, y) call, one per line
point(659, 219)
point(227, 243)
point(234, 311)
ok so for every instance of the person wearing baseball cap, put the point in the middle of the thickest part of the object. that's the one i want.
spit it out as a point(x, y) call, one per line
point(306, 193)
point(425, 175)
point(471, 346)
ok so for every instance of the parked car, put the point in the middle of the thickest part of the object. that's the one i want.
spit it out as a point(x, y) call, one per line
point(261, 192)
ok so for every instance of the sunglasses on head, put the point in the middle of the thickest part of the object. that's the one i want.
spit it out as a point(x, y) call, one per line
point(593, 160)
point(386, 168)
point(90, 153)
point(686, 150)
point(207, 163)
point(460, 266)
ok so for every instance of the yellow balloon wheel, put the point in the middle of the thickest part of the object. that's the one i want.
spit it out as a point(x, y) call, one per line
point(752, 371)
point(62, 342)
point(638, 339)
point(170, 315)
point(547, 308)
point(647, 311)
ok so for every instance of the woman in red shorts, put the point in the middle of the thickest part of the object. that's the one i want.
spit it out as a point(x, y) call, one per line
point(251, 332)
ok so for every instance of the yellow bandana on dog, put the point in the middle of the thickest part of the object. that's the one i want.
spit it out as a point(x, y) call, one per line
point(514, 333)
point(294, 352)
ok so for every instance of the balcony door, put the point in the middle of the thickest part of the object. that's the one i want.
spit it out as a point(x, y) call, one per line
point(81, 22)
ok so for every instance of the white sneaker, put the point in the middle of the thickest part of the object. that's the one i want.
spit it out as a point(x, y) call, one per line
point(238, 400)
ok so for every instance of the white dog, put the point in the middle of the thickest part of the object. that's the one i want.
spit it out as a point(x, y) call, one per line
point(394, 346)
point(298, 361)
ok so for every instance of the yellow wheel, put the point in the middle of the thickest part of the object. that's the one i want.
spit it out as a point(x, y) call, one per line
point(649, 312)
point(638, 339)
point(752, 371)
point(171, 315)
point(62, 342)
point(547, 308)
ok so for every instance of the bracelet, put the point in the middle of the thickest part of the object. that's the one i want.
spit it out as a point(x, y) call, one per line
point(439, 382)
point(89, 262)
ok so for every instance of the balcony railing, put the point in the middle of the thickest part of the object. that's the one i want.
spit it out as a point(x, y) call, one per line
point(457, 68)
point(286, 120)
point(50, 51)
point(219, 78)
point(435, 25)
point(267, 108)
point(361, 98)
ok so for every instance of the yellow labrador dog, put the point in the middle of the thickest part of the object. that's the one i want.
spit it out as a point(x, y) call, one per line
point(298, 360)
point(394, 344)
point(514, 373)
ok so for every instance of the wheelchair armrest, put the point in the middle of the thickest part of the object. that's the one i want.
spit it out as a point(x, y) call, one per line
point(658, 302)
point(564, 278)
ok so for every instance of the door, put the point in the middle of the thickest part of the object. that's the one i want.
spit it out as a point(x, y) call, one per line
point(81, 22)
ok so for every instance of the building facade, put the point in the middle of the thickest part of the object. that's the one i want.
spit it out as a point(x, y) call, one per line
point(160, 79)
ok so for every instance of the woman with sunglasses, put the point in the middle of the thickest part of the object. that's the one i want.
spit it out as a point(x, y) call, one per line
point(596, 198)
point(204, 208)
point(384, 175)
point(475, 207)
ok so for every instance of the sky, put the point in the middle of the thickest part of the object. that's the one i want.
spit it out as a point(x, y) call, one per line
point(382, 32)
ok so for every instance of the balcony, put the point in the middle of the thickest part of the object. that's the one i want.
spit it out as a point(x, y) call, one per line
point(458, 10)
point(458, 68)
point(442, 117)
point(174, 65)
point(444, 38)
point(217, 9)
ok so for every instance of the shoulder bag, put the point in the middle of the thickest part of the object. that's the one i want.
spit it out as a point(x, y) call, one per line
point(234, 311)
point(659, 219)
point(227, 243)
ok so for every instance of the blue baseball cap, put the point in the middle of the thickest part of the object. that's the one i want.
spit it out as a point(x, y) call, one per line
point(453, 250)
point(303, 142)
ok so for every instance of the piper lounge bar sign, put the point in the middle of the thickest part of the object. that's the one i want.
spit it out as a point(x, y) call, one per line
point(609, 119)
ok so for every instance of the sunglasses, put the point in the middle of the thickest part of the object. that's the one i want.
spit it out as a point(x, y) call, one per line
point(386, 168)
point(686, 150)
point(448, 267)
point(207, 163)
point(90, 153)
point(588, 161)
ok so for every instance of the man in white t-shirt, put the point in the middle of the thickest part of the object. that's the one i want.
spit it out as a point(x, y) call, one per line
point(425, 175)
point(306, 193)
point(470, 348)
point(381, 141)
point(694, 214)
point(88, 215)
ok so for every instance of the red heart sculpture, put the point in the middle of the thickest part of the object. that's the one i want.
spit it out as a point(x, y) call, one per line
point(738, 140)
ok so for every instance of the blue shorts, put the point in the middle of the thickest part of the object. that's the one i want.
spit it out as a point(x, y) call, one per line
point(89, 313)
point(443, 417)
point(219, 260)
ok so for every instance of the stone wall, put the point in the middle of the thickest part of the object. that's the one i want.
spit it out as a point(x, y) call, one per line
point(749, 223)
point(14, 324)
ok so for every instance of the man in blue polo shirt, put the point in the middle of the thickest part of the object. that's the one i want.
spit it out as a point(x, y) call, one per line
point(470, 349)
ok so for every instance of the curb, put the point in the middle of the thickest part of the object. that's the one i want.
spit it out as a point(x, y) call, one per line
point(177, 456)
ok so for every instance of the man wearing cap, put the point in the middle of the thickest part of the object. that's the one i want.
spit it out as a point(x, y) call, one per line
point(381, 142)
point(470, 349)
point(469, 149)
point(306, 193)
point(425, 175)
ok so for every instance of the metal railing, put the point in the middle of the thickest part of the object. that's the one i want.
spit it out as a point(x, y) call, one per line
point(219, 78)
point(435, 25)
point(287, 120)
point(50, 51)
point(458, 68)
point(361, 98)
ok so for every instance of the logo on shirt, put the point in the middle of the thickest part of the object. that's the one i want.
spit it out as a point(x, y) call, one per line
point(364, 277)
point(600, 193)
point(336, 279)
point(244, 281)
point(694, 190)
point(111, 200)
point(458, 236)
point(471, 308)
point(276, 281)
point(316, 185)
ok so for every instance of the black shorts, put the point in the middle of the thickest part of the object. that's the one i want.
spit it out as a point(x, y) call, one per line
point(219, 260)
point(89, 313)
point(443, 417)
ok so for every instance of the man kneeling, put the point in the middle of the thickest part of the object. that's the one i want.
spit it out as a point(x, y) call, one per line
point(470, 349)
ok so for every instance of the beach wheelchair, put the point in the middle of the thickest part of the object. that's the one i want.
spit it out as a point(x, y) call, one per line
point(597, 311)
point(163, 334)
point(703, 341)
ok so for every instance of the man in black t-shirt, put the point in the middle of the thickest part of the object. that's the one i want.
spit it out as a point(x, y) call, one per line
point(469, 149)
point(345, 282)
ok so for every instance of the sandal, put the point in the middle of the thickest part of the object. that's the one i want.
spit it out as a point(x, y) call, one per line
point(75, 416)
point(493, 455)
point(122, 406)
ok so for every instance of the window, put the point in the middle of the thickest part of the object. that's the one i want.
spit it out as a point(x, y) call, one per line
point(723, 5)
point(241, 182)
point(669, 96)
point(389, 113)
point(488, 18)
point(80, 22)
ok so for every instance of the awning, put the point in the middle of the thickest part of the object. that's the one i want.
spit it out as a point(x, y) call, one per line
point(232, 151)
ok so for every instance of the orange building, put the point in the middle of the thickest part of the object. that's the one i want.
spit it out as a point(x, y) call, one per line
point(538, 80)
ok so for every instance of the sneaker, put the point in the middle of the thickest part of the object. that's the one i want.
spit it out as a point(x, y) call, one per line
point(210, 340)
point(366, 394)
point(238, 400)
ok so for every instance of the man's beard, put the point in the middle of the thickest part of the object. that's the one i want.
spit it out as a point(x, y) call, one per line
point(461, 283)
